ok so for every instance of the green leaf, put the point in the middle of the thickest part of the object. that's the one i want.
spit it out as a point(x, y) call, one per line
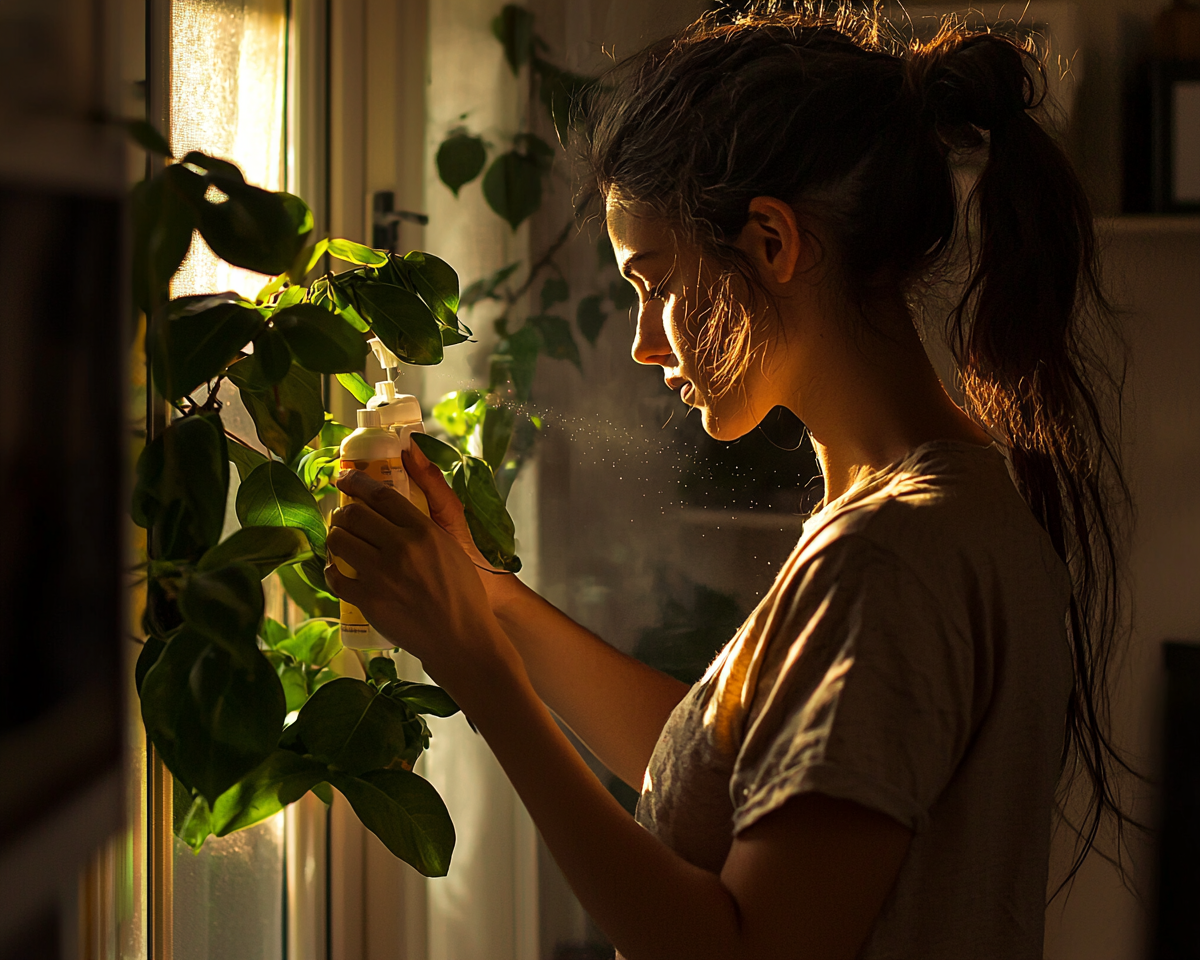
point(294, 679)
point(557, 340)
point(273, 496)
point(213, 165)
point(357, 253)
point(590, 317)
point(357, 386)
point(325, 292)
point(314, 643)
point(333, 433)
point(306, 260)
point(422, 697)
point(521, 350)
point(226, 604)
point(497, 431)
point(512, 187)
point(622, 294)
point(252, 228)
point(487, 288)
point(266, 548)
point(324, 793)
point(152, 649)
point(283, 778)
point(315, 603)
point(382, 670)
point(554, 290)
point(272, 357)
point(147, 136)
point(287, 415)
point(437, 284)
point(246, 459)
point(460, 411)
point(272, 632)
point(406, 813)
point(302, 219)
point(349, 725)
point(402, 320)
point(182, 476)
point(192, 821)
point(321, 340)
point(513, 27)
point(491, 526)
point(193, 339)
point(310, 467)
point(162, 233)
point(460, 159)
point(441, 454)
point(211, 718)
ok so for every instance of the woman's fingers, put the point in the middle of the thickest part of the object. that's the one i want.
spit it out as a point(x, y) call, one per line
point(364, 522)
point(382, 499)
point(351, 549)
point(444, 507)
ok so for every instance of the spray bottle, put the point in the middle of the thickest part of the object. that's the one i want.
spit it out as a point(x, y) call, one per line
point(375, 450)
point(398, 412)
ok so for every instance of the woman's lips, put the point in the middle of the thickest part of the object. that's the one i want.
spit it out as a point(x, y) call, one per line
point(688, 393)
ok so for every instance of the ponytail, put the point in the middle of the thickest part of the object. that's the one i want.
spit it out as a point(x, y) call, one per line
point(1019, 335)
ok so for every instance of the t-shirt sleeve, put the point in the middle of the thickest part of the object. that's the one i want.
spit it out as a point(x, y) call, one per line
point(866, 692)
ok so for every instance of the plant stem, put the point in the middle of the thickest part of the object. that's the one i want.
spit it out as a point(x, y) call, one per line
point(559, 241)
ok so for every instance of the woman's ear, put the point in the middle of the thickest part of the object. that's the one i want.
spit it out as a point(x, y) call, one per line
point(772, 239)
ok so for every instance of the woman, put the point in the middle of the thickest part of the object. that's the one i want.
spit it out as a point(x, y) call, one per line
point(869, 767)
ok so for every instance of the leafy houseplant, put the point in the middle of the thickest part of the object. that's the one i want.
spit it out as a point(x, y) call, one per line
point(493, 422)
point(218, 681)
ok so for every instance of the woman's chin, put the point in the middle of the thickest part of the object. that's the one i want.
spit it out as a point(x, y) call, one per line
point(724, 428)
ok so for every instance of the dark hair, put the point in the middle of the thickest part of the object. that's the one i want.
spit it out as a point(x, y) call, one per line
point(826, 112)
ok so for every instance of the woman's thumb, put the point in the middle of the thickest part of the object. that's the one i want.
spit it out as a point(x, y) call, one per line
point(444, 507)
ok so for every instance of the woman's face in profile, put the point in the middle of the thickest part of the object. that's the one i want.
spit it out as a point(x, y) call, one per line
point(674, 304)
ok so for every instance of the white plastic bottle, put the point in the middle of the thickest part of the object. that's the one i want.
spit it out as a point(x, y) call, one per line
point(400, 413)
point(375, 450)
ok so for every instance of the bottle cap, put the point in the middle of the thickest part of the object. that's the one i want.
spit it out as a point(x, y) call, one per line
point(385, 392)
point(369, 418)
point(404, 408)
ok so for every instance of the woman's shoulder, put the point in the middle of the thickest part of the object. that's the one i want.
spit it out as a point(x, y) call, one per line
point(948, 512)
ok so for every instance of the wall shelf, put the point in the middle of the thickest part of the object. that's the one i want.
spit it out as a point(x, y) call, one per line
point(1149, 224)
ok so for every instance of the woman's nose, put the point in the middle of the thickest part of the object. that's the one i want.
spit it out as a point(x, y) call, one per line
point(650, 342)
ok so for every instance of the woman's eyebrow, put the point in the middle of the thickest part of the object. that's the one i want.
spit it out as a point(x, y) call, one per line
point(634, 259)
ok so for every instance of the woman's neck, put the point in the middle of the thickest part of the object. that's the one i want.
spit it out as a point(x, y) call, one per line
point(869, 400)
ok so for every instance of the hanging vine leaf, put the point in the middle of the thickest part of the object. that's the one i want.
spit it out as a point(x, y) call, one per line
point(193, 339)
point(212, 718)
point(513, 187)
point(556, 338)
point(402, 320)
point(590, 317)
point(266, 548)
point(516, 359)
point(554, 290)
point(488, 519)
point(283, 778)
point(353, 252)
point(162, 233)
point(287, 415)
point(315, 603)
point(349, 725)
point(563, 94)
point(460, 159)
point(273, 496)
point(179, 494)
point(487, 288)
point(321, 340)
point(272, 357)
point(497, 431)
point(513, 27)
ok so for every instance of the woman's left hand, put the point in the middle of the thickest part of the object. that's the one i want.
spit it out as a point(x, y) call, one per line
point(415, 584)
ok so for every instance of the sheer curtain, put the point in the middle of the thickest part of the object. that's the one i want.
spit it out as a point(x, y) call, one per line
point(228, 99)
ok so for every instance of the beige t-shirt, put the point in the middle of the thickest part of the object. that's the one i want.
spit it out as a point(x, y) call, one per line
point(912, 657)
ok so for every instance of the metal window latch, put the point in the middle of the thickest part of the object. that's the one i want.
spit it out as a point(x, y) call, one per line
point(386, 220)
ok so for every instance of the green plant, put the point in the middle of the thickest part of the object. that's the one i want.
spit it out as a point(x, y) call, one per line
point(246, 714)
point(494, 421)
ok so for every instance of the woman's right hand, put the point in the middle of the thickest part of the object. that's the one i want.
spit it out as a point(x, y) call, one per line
point(446, 510)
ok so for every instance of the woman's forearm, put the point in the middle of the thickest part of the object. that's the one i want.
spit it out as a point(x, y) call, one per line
point(614, 703)
point(651, 902)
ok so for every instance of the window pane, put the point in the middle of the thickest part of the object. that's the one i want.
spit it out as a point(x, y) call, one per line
point(229, 896)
